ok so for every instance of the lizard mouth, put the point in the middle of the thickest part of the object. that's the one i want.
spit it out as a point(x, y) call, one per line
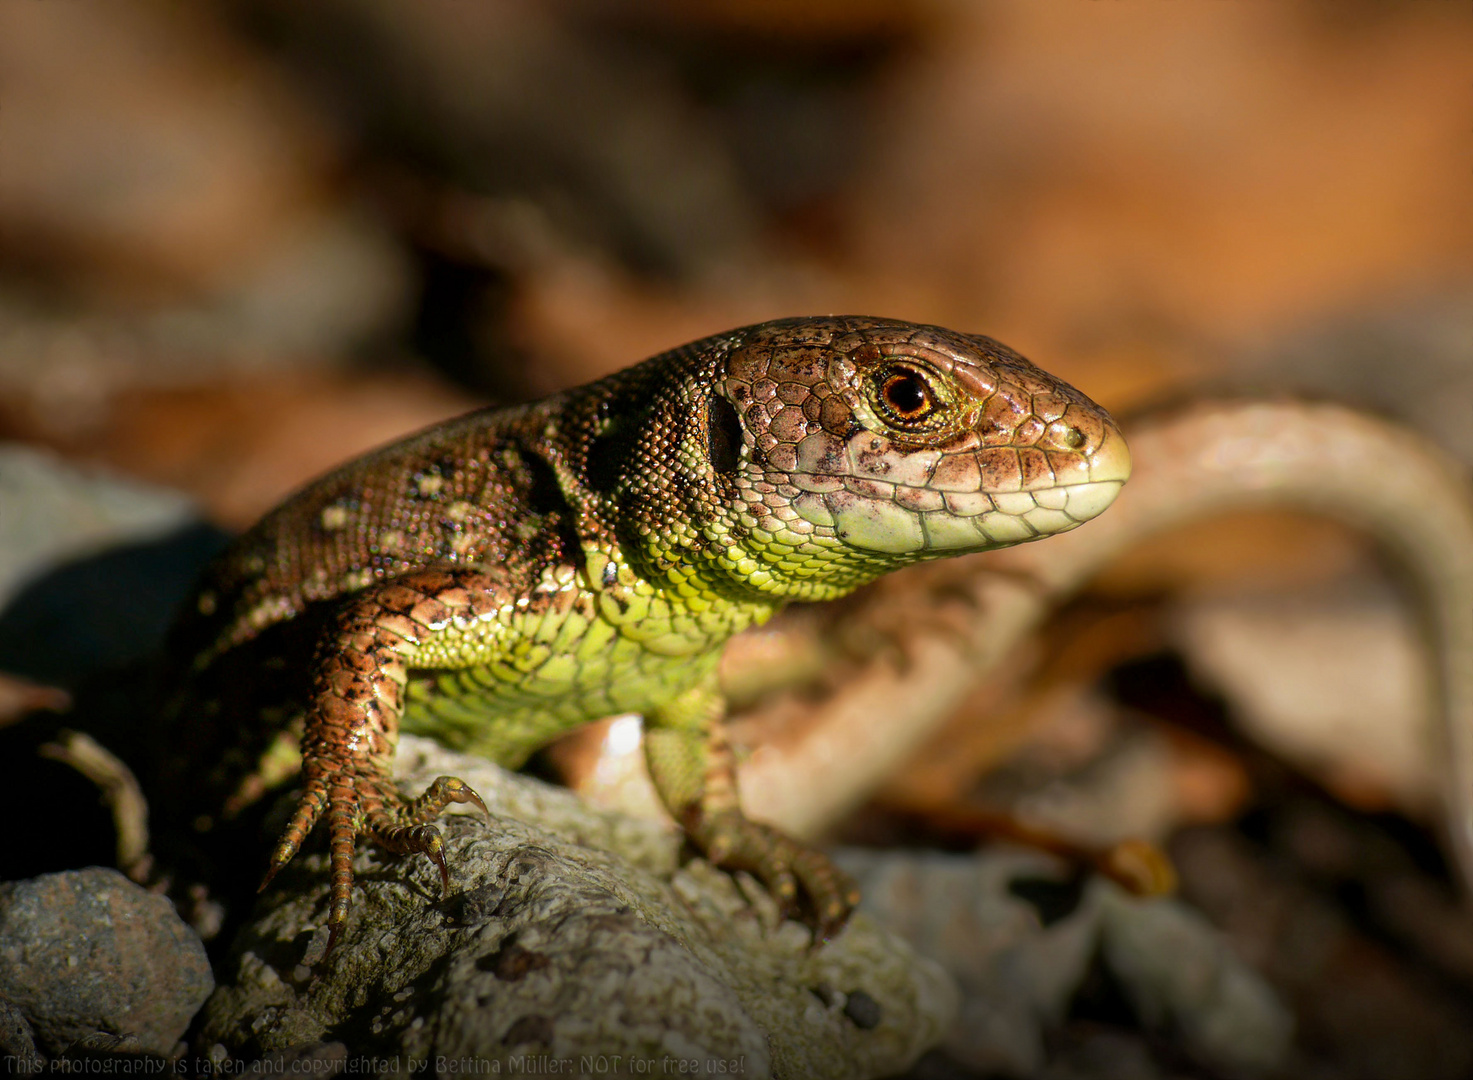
point(894, 518)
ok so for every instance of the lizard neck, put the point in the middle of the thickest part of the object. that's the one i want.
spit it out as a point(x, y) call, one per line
point(723, 559)
point(633, 456)
point(673, 607)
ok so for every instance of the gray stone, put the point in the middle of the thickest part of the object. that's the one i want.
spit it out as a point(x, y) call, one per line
point(572, 933)
point(51, 511)
point(1180, 973)
point(16, 1039)
point(89, 951)
point(1018, 976)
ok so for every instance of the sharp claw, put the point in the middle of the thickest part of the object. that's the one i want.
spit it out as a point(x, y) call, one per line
point(278, 860)
point(437, 855)
point(475, 800)
point(462, 792)
point(337, 918)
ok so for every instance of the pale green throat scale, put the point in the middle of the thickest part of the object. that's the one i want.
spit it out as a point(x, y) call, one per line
point(504, 577)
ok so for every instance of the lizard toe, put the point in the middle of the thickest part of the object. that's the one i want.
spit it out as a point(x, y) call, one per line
point(802, 880)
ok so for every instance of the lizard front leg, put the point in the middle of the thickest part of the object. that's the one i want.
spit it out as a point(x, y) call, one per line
point(429, 618)
point(694, 770)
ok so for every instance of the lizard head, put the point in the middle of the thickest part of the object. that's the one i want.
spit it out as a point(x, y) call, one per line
point(844, 447)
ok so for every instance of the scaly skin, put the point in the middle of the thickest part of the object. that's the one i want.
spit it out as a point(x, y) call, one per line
point(502, 578)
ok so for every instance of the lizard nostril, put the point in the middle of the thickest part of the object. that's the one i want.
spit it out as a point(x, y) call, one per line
point(1067, 436)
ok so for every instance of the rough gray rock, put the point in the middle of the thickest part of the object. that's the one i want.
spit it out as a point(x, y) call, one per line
point(1180, 975)
point(572, 933)
point(1018, 975)
point(16, 1038)
point(88, 951)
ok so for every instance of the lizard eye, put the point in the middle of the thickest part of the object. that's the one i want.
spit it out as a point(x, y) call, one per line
point(906, 395)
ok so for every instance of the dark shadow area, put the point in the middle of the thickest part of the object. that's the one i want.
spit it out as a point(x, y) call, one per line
point(103, 611)
point(92, 626)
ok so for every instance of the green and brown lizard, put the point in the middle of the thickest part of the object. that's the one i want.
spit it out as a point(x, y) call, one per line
point(504, 577)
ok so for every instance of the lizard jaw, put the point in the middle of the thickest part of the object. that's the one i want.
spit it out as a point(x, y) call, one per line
point(902, 519)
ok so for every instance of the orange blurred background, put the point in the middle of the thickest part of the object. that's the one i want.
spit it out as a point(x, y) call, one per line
point(240, 243)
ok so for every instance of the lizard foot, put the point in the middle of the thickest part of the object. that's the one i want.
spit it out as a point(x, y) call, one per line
point(800, 878)
point(372, 808)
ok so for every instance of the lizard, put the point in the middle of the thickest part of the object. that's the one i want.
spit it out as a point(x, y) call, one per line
point(502, 578)
point(1193, 461)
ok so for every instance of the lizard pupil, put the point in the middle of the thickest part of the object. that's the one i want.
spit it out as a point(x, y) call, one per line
point(908, 394)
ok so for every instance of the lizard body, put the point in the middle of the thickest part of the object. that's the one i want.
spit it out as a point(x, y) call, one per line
point(504, 577)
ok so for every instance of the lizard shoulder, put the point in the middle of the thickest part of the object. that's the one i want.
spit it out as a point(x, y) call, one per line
point(475, 491)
